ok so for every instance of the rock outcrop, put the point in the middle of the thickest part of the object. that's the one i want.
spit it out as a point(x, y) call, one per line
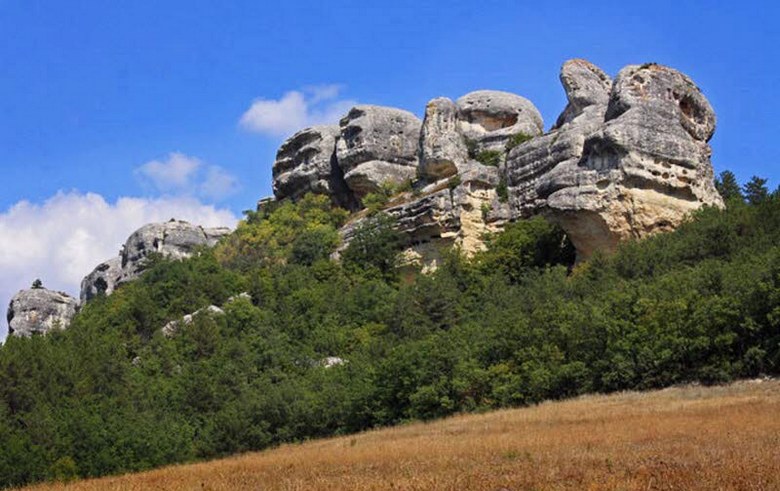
point(377, 145)
point(171, 328)
point(175, 239)
point(38, 311)
point(624, 159)
point(102, 280)
point(490, 118)
point(643, 169)
point(306, 162)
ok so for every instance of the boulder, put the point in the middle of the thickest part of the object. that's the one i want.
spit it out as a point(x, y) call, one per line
point(377, 145)
point(38, 311)
point(306, 162)
point(102, 280)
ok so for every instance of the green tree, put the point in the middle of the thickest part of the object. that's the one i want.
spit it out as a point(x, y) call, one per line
point(728, 187)
point(375, 246)
point(756, 191)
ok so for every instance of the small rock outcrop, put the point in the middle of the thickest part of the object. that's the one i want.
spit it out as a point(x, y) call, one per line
point(102, 280)
point(175, 239)
point(172, 327)
point(38, 311)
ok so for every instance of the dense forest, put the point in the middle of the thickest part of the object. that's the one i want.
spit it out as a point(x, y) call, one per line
point(321, 347)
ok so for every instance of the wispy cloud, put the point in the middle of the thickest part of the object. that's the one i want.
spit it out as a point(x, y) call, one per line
point(66, 236)
point(295, 110)
point(180, 174)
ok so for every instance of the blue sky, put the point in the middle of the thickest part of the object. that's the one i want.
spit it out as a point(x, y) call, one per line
point(103, 101)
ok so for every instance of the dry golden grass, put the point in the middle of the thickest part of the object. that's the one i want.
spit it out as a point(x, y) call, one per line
point(683, 438)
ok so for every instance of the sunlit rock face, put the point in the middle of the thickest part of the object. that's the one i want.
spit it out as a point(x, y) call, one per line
point(306, 163)
point(489, 118)
point(377, 145)
point(625, 159)
point(102, 280)
point(39, 311)
point(643, 170)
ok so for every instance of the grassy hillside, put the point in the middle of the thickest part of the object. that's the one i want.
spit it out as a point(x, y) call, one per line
point(513, 326)
point(682, 438)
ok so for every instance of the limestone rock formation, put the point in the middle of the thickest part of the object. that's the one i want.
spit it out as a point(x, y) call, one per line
point(102, 280)
point(38, 311)
point(306, 162)
point(489, 118)
point(644, 169)
point(624, 159)
point(442, 146)
point(175, 239)
point(377, 145)
point(539, 166)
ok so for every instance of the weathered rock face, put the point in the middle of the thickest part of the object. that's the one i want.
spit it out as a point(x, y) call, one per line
point(623, 160)
point(489, 118)
point(38, 311)
point(644, 169)
point(585, 85)
point(542, 165)
point(307, 162)
point(442, 146)
point(102, 280)
point(377, 145)
point(175, 239)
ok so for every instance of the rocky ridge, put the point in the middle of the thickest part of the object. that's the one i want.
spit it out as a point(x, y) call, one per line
point(625, 159)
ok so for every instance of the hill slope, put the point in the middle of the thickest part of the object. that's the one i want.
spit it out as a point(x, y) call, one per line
point(680, 438)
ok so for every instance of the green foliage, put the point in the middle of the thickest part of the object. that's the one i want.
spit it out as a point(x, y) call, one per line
point(453, 182)
point(756, 191)
point(728, 187)
point(502, 191)
point(514, 325)
point(516, 140)
point(37, 284)
point(490, 158)
point(375, 247)
point(472, 147)
point(526, 245)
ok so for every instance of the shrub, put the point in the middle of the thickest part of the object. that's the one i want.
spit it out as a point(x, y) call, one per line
point(517, 139)
point(502, 191)
point(490, 158)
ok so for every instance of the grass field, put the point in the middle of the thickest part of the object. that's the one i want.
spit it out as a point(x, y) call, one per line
point(713, 438)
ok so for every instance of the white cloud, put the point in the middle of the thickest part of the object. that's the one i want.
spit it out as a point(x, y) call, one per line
point(180, 174)
point(174, 173)
point(217, 183)
point(296, 110)
point(62, 239)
